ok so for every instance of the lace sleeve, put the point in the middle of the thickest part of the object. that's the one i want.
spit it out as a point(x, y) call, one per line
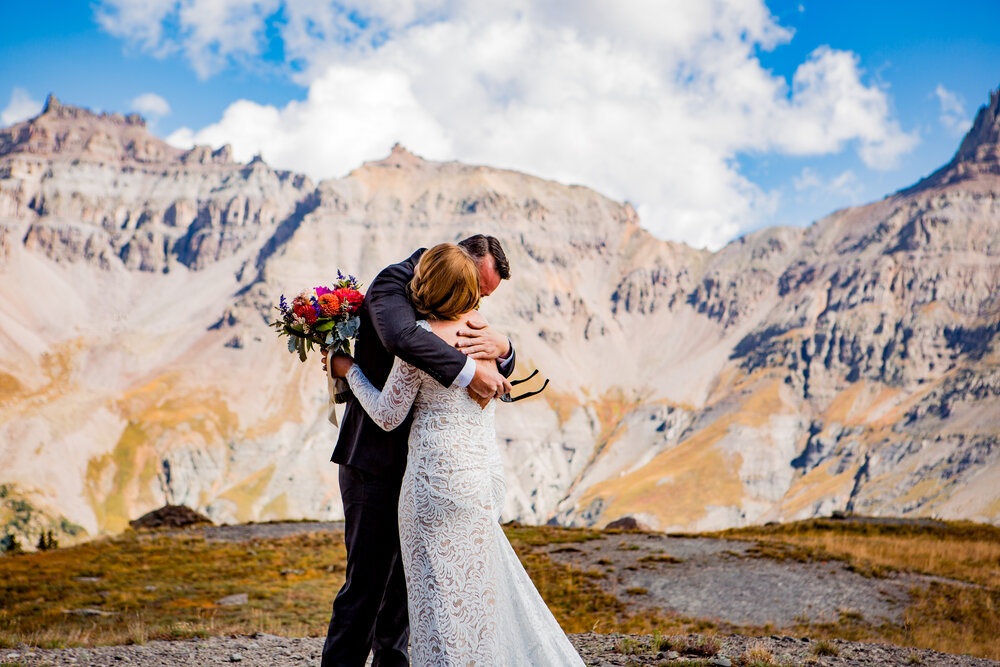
point(389, 407)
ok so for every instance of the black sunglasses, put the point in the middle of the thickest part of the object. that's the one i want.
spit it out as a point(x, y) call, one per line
point(507, 398)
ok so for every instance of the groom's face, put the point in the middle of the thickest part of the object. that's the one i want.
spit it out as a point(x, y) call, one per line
point(489, 279)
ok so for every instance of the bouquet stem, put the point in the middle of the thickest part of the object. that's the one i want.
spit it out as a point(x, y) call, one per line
point(339, 392)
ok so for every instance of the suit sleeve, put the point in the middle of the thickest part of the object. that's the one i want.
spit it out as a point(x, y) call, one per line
point(507, 368)
point(395, 322)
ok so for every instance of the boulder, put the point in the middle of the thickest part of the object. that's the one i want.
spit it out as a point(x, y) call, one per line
point(170, 516)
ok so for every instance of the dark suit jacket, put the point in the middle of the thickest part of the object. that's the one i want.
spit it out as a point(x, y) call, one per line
point(389, 329)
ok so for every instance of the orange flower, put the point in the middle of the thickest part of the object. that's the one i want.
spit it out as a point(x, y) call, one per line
point(329, 304)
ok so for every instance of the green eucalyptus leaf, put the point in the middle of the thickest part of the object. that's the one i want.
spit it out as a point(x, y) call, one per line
point(348, 329)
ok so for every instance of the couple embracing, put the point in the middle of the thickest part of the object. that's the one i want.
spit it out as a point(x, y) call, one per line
point(422, 480)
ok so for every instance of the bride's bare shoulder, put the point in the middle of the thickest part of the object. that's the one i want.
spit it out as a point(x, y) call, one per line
point(475, 319)
point(444, 328)
point(448, 329)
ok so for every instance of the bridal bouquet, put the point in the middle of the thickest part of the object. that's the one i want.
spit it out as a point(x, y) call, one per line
point(326, 317)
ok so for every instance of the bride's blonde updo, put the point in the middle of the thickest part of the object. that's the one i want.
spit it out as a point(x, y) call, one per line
point(445, 282)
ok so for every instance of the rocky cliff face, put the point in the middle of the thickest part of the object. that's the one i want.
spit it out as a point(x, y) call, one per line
point(102, 189)
point(849, 365)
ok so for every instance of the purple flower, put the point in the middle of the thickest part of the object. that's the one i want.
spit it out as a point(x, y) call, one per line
point(320, 291)
point(347, 281)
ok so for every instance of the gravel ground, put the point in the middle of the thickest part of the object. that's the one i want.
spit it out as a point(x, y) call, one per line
point(248, 531)
point(719, 579)
point(695, 577)
point(714, 579)
point(269, 651)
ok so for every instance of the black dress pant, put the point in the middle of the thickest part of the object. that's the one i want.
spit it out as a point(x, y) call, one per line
point(369, 612)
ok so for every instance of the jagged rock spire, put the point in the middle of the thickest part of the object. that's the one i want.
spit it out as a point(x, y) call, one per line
point(51, 103)
point(982, 143)
point(978, 156)
point(399, 155)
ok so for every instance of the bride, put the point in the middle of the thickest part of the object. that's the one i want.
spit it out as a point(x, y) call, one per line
point(470, 601)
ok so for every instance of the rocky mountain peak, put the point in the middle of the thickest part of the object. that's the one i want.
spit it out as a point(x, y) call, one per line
point(54, 109)
point(67, 132)
point(982, 143)
point(978, 157)
point(205, 155)
point(53, 105)
point(400, 157)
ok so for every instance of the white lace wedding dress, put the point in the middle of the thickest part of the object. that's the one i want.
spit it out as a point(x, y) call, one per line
point(470, 600)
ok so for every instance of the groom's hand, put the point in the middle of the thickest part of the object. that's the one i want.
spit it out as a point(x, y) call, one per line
point(479, 341)
point(488, 383)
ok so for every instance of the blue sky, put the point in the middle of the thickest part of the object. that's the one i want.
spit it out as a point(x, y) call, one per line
point(713, 118)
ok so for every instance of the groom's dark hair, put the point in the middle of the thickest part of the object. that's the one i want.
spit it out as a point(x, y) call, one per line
point(480, 246)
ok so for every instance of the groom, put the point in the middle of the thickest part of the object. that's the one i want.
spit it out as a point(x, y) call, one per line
point(369, 612)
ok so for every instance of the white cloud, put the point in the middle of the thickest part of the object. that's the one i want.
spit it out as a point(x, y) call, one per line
point(807, 179)
point(830, 106)
point(953, 115)
point(844, 184)
point(351, 115)
point(21, 107)
point(151, 104)
point(208, 32)
point(649, 101)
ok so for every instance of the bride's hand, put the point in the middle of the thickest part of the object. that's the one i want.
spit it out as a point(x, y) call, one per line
point(341, 364)
point(487, 384)
point(483, 402)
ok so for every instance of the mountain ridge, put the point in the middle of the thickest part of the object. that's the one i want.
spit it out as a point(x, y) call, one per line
point(848, 365)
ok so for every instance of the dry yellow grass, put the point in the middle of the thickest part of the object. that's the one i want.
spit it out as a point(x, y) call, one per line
point(957, 616)
point(963, 551)
point(954, 619)
point(158, 586)
point(756, 656)
point(162, 586)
